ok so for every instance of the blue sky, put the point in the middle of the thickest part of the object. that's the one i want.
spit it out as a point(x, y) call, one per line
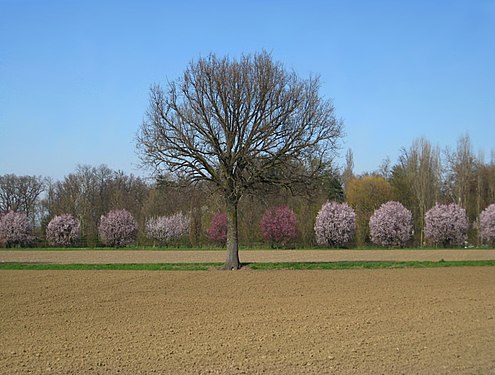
point(75, 75)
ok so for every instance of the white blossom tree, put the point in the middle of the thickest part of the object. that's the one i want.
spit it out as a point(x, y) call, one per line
point(446, 225)
point(63, 230)
point(117, 228)
point(165, 229)
point(15, 229)
point(335, 225)
point(487, 225)
point(391, 225)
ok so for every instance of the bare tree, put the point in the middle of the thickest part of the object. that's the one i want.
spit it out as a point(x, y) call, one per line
point(469, 179)
point(461, 183)
point(385, 169)
point(348, 173)
point(239, 124)
point(422, 169)
point(20, 193)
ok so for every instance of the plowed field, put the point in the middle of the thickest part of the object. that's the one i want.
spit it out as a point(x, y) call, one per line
point(191, 256)
point(285, 322)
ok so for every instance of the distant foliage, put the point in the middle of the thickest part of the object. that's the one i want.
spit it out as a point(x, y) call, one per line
point(165, 229)
point(487, 225)
point(217, 232)
point(335, 225)
point(15, 229)
point(279, 225)
point(63, 230)
point(391, 225)
point(118, 228)
point(446, 225)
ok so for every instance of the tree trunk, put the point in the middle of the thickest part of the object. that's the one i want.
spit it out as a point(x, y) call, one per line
point(232, 262)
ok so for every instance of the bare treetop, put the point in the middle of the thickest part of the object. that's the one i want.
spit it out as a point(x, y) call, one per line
point(238, 123)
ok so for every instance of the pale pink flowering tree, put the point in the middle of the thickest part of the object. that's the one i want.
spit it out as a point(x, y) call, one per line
point(15, 229)
point(217, 231)
point(279, 225)
point(446, 224)
point(487, 225)
point(118, 228)
point(391, 225)
point(335, 225)
point(63, 230)
point(165, 229)
point(156, 229)
point(178, 225)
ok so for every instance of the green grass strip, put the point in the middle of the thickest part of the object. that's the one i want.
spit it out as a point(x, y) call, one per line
point(369, 265)
point(112, 267)
point(254, 266)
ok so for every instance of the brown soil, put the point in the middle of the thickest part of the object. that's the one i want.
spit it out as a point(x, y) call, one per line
point(148, 256)
point(287, 322)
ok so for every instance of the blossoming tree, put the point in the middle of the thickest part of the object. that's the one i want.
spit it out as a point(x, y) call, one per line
point(165, 229)
point(279, 225)
point(15, 229)
point(391, 225)
point(335, 225)
point(217, 231)
point(117, 228)
point(63, 230)
point(487, 225)
point(446, 224)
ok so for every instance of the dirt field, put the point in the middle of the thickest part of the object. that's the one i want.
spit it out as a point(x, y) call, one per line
point(147, 256)
point(286, 322)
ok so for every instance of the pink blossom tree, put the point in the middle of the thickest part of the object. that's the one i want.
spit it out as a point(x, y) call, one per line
point(165, 229)
point(178, 225)
point(217, 231)
point(15, 229)
point(446, 224)
point(391, 225)
point(63, 230)
point(279, 225)
point(118, 228)
point(153, 229)
point(335, 225)
point(487, 225)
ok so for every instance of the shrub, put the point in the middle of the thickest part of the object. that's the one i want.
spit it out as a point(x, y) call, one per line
point(487, 225)
point(217, 232)
point(63, 230)
point(335, 224)
point(279, 225)
point(118, 228)
point(167, 228)
point(391, 225)
point(15, 229)
point(446, 224)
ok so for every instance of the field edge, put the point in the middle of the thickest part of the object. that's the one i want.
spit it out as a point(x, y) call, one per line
point(258, 266)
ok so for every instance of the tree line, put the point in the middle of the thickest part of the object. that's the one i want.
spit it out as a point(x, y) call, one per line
point(422, 176)
point(239, 136)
